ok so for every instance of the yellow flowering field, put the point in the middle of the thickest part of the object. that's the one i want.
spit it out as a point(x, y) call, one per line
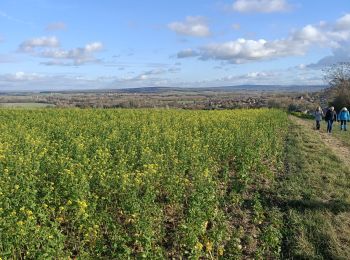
point(155, 184)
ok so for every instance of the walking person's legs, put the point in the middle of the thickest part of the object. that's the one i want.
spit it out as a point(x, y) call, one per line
point(329, 126)
point(318, 125)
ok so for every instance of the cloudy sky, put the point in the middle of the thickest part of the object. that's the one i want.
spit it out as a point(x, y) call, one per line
point(76, 44)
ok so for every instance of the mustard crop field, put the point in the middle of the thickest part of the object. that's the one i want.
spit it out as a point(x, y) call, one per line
point(154, 184)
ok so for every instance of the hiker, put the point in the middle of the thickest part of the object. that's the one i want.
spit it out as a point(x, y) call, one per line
point(318, 117)
point(330, 117)
point(343, 116)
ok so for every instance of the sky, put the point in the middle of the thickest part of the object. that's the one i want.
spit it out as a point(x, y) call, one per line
point(111, 44)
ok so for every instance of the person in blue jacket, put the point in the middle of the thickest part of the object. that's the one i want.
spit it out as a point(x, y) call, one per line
point(343, 117)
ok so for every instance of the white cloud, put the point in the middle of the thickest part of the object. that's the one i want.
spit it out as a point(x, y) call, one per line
point(237, 51)
point(257, 75)
point(56, 63)
point(26, 80)
point(341, 54)
point(260, 6)
point(42, 42)
point(94, 46)
point(77, 56)
point(192, 26)
point(291, 76)
point(296, 43)
point(154, 74)
point(48, 47)
point(187, 53)
point(58, 26)
point(337, 36)
point(343, 23)
point(309, 33)
point(245, 50)
point(22, 76)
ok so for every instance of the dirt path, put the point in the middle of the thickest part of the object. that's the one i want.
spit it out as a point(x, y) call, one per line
point(335, 145)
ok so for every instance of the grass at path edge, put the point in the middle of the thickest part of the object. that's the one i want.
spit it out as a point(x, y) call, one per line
point(314, 195)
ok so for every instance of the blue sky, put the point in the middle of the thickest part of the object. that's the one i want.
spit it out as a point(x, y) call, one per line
point(54, 45)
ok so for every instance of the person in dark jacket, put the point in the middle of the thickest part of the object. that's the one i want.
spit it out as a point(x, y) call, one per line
point(343, 117)
point(330, 117)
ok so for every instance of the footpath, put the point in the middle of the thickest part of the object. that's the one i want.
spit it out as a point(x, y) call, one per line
point(314, 193)
point(334, 144)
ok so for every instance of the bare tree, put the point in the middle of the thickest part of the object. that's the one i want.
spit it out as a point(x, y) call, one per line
point(338, 76)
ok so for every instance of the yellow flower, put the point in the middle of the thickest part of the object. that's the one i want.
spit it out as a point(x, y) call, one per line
point(204, 226)
point(208, 246)
point(82, 206)
point(199, 246)
point(206, 173)
point(221, 251)
point(59, 219)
